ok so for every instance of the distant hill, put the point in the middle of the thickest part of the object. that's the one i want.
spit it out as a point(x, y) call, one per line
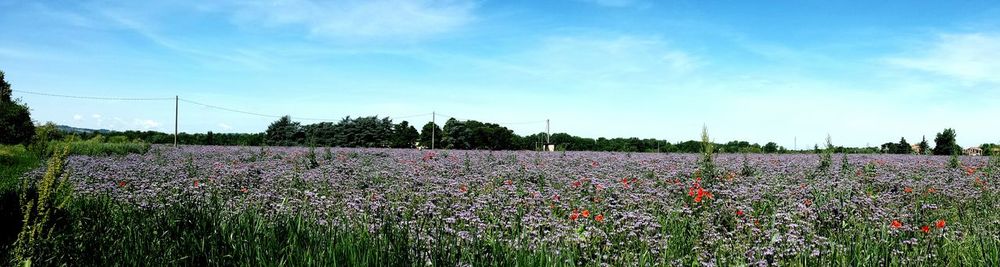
point(71, 129)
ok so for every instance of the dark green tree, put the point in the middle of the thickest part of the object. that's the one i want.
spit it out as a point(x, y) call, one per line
point(404, 135)
point(430, 129)
point(284, 132)
point(16, 126)
point(923, 146)
point(944, 143)
point(770, 147)
point(904, 147)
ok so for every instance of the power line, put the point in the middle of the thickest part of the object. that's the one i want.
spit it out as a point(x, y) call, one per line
point(243, 111)
point(97, 98)
point(231, 110)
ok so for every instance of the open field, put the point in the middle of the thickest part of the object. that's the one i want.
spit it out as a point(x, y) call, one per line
point(384, 206)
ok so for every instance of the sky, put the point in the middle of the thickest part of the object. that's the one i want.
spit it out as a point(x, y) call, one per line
point(792, 72)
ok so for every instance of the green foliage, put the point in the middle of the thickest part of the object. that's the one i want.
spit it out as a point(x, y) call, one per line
point(284, 132)
point(924, 146)
point(97, 147)
point(707, 167)
point(826, 159)
point(770, 147)
point(15, 118)
point(944, 143)
point(51, 193)
point(897, 148)
point(430, 129)
point(404, 135)
point(953, 162)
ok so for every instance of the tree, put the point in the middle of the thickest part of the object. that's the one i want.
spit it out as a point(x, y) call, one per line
point(427, 131)
point(16, 126)
point(284, 132)
point(904, 147)
point(404, 135)
point(923, 146)
point(770, 147)
point(944, 143)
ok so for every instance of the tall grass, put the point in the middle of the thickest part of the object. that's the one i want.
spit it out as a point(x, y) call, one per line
point(95, 148)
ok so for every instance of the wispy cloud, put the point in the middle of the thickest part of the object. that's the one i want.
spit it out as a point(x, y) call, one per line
point(374, 19)
point(237, 56)
point(970, 58)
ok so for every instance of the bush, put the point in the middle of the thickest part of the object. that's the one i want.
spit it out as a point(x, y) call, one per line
point(93, 148)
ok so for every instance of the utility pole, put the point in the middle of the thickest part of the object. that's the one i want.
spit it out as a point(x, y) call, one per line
point(547, 133)
point(176, 112)
point(433, 127)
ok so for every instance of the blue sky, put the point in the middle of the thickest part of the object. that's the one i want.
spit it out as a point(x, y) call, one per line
point(864, 72)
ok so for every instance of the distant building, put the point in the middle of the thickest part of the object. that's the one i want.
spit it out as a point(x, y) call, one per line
point(974, 151)
point(916, 148)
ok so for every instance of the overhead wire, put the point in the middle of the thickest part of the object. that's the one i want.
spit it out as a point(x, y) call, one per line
point(241, 111)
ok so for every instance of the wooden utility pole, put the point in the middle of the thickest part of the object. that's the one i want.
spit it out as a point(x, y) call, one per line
point(176, 112)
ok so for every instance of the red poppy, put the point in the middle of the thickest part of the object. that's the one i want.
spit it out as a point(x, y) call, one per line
point(908, 190)
point(701, 193)
point(808, 202)
point(244, 190)
point(577, 183)
point(896, 224)
point(586, 214)
point(593, 164)
point(463, 188)
point(574, 215)
point(508, 182)
point(121, 184)
point(625, 182)
point(925, 229)
point(739, 213)
point(195, 183)
point(599, 218)
point(939, 224)
point(555, 197)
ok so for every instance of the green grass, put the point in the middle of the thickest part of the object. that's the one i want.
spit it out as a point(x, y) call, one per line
point(93, 148)
point(14, 162)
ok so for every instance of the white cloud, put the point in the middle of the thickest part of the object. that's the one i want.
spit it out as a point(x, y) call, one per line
point(146, 124)
point(77, 117)
point(225, 126)
point(970, 58)
point(96, 116)
point(352, 19)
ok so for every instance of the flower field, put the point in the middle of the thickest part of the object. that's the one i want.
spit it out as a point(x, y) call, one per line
point(586, 208)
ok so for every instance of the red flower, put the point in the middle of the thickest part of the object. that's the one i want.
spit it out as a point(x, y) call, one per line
point(939, 224)
point(701, 193)
point(555, 197)
point(625, 182)
point(244, 190)
point(739, 213)
point(593, 164)
point(908, 190)
point(121, 184)
point(925, 229)
point(808, 202)
point(586, 214)
point(508, 182)
point(574, 215)
point(195, 183)
point(896, 224)
point(577, 183)
point(599, 218)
